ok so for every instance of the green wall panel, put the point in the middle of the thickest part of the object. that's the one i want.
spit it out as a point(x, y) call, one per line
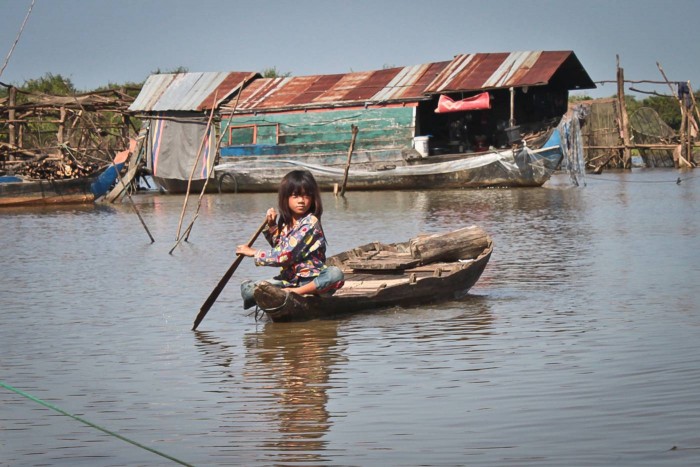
point(330, 130)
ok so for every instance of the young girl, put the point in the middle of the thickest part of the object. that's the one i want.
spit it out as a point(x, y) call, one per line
point(297, 240)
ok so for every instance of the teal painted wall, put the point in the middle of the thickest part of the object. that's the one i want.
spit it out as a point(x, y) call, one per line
point(325, 131)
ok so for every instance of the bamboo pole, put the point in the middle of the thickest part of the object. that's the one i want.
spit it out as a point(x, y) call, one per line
point(194, 166)
point(186, 233)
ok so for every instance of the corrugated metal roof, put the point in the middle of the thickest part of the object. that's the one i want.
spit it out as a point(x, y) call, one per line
point(483, 71)
point(188, 91)
point(388, 85)
point(470, 72)
point(466, 72)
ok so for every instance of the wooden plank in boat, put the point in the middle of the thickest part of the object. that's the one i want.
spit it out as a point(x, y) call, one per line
point(395, 261)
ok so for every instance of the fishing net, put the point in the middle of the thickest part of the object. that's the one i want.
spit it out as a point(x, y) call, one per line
point(571, 144)
point(648, 128)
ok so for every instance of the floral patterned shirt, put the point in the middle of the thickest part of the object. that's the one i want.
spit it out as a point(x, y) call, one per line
point(299, 251)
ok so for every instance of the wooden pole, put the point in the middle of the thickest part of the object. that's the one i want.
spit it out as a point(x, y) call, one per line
point(224, 280)
point(511, 120)
point(186, 233)
point(12, 101)
point(681, 159)
point(354, 130)
point(61, 125)
point(694, 122)
point(624, 119)
point(194, 166)
point(119, 178)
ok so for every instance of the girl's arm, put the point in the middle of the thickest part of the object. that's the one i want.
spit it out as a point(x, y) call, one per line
point(272, 233)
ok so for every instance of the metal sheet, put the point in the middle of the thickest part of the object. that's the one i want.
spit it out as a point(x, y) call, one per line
point(188, 91)
point(464, 73)
point(476, 72)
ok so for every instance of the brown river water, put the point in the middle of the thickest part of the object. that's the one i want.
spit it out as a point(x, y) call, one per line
point(580, 345)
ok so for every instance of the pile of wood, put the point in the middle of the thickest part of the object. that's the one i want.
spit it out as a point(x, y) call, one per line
point(52, 168)
point(59, 137)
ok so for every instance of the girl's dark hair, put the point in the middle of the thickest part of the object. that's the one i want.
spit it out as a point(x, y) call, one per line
point(298, 182)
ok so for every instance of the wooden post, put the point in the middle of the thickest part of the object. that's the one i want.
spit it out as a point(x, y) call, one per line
point(347, 165)
point(624, 119)
point(511, 121)
point(12, 99)
point(61, 125)
point(693, 122)
point(681, 159)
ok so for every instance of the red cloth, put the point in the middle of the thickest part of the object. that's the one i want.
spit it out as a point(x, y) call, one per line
point(478, 102)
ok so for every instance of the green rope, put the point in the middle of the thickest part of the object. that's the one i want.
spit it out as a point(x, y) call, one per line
point(82, 420)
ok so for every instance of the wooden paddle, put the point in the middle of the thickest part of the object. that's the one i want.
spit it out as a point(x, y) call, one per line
point(224, 280)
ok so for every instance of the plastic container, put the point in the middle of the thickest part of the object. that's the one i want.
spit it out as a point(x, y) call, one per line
point(513, 134)
point(420, 143)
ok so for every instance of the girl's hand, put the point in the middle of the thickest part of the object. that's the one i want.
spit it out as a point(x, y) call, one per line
point(245, 250)
point(271, 217)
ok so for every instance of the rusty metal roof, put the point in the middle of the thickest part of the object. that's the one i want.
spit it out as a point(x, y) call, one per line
point(484, 71)
point(466, 72)
point(188, 91)
point(472, 72)
point(388, 85)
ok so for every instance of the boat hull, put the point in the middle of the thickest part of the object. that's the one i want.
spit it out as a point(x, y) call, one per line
point(46, 192)
point(82, 190)
point(494, 169)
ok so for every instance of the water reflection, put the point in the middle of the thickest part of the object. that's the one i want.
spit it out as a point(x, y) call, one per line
point(299, 359)
point(287, 371)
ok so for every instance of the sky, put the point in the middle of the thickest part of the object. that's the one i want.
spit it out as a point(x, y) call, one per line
point(97, 42)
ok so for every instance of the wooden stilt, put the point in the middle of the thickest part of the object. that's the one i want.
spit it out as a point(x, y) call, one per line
point(354, 130)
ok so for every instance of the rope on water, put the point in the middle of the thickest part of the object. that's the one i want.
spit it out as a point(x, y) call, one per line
point(82, 420)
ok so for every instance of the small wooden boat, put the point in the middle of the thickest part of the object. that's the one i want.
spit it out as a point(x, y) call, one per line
point(428, 268)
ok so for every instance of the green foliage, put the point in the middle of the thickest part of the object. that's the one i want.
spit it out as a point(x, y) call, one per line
point(180, 69)
point(273, 72)
point(667, 108)
point(575, 99)
point(49, 84)
point(53, 85)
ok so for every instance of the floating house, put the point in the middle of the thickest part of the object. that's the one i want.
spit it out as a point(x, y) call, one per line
point(472, 104)
point(311, 116)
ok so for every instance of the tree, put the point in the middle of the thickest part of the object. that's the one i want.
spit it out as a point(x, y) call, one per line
point(273, 72)
point(180, 69)
point(54, 85)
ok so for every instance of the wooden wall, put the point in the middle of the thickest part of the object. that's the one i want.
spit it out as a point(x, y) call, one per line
point(318, 131)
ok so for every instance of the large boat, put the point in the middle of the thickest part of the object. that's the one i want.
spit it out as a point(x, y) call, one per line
point(518, 167)
point(428, 268)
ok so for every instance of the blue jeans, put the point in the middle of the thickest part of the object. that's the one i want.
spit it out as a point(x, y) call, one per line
point(328, 277)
